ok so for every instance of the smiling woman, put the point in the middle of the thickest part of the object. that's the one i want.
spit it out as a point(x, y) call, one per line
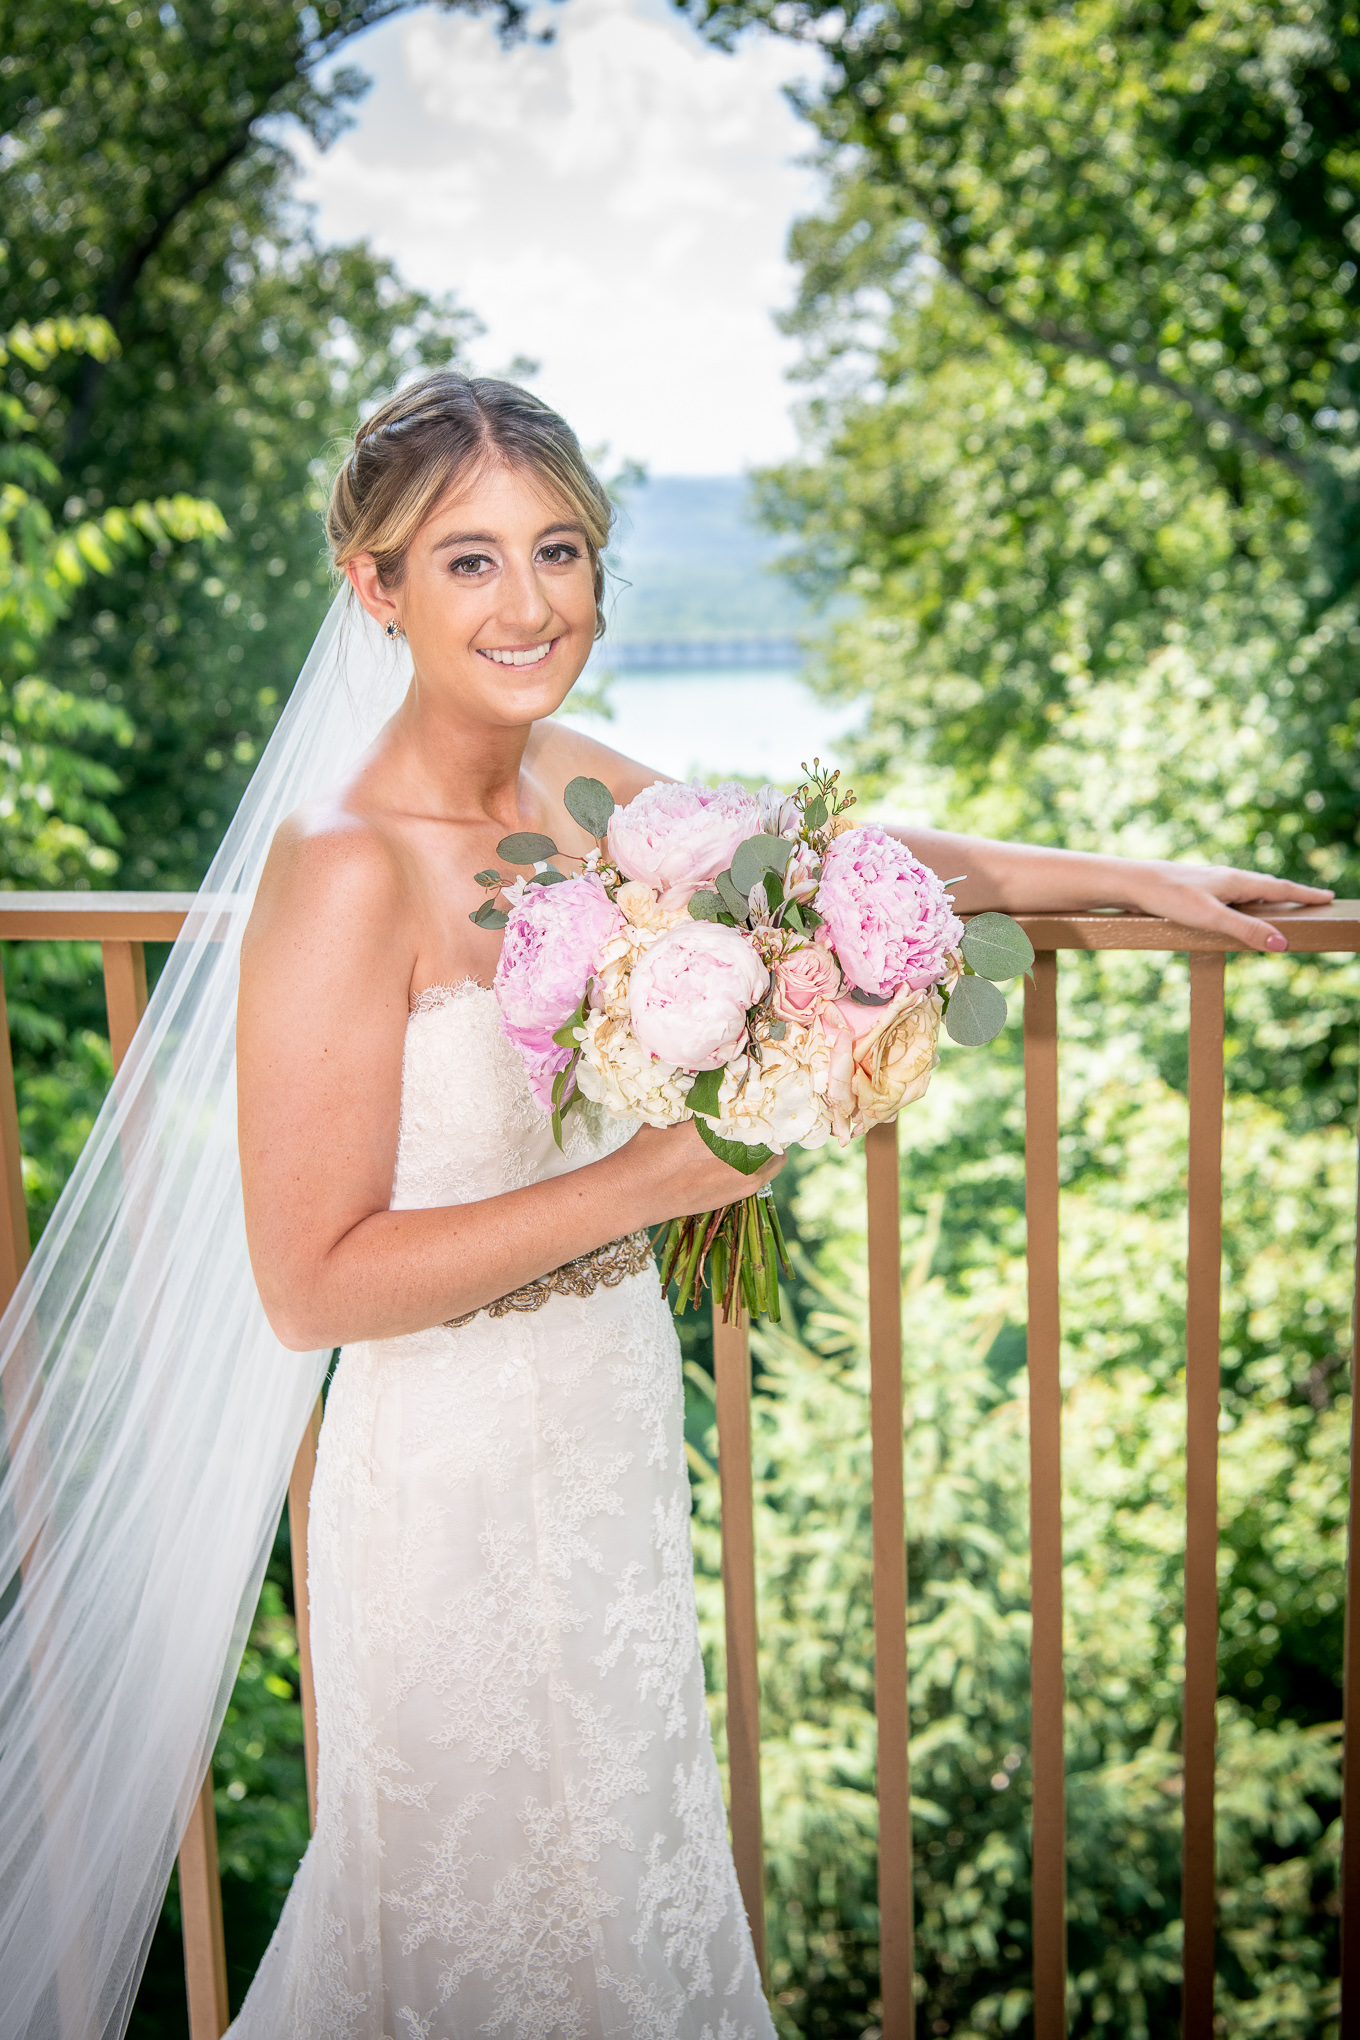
point(519, 1821)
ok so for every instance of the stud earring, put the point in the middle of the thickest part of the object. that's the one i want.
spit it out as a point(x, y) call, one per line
point(392, 629)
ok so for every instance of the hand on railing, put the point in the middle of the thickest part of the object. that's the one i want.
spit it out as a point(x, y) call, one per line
point(1215, 897)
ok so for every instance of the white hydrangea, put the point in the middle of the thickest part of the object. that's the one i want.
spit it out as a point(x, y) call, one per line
point(782, 1100)
point(616, 1071)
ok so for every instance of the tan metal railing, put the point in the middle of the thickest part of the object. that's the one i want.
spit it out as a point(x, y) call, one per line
point(123, 922)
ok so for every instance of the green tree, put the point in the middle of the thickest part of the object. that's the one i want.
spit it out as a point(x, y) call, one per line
point(57, 827)
point(1080, 324)
point(145, 177)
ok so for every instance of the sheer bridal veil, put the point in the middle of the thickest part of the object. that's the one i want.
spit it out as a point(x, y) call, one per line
point(150, 1421)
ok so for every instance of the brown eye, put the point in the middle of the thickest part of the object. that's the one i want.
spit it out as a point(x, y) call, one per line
point(469, 564)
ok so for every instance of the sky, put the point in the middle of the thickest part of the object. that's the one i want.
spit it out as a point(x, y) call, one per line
point(613, 205)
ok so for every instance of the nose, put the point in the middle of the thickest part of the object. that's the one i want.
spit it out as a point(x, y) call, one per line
point(525, 608)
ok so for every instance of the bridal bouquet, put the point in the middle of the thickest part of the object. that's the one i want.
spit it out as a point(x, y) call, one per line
point(755, 962)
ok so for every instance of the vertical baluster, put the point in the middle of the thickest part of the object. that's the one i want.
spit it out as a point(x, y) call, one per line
point(1203, 1281)
point(732, 1374)
point(14, 1217)
point(1043, 1350)
point(200, 1888)
point(1350, 1789)
point(896, 1958)
point(299, 1500)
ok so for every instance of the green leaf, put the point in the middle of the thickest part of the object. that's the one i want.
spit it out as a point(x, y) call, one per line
point(589, 802)
point(705, 906)
point(811, 918)
point(977, 1012)
point(814, 814)
point(703, 1092)
point(487, 878)
point(777, 1030)
point(489, 915)
point(793, 917)
point(774, 890)
point(757, 855)
point(552, 876)
point(735, 902)
point(997, 947)
point(735, 1153)
point(526, 848)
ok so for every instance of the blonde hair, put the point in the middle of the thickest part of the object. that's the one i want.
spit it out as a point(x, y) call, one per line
point(432, 434)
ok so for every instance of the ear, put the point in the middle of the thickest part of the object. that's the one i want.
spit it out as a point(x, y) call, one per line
point(362, 574)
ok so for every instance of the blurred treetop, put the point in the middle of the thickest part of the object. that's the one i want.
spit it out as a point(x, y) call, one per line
point(1173, 191)
point(145, 179)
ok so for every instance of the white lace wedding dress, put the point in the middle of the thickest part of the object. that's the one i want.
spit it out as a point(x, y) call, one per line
point(520, 1829)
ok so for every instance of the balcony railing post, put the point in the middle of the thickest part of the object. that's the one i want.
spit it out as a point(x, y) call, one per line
point(732, 1377)
point(1350, 1789)
point(200, 1886)
point(1043, 1355)
point(1204, 1262)
point(895, 1923)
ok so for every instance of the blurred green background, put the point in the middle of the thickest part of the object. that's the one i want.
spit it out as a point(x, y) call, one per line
point(1079, 499)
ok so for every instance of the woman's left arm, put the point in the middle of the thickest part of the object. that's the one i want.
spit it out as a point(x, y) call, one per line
point(1025, 878)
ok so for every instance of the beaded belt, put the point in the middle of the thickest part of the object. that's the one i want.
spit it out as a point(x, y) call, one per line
point(602, 1268)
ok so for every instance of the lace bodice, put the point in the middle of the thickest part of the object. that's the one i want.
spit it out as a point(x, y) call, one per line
point(470, 1127)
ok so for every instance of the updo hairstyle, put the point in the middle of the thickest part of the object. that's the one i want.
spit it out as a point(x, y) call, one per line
point(436, 432)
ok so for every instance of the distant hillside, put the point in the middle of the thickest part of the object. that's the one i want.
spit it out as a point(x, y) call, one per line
point(697, 563)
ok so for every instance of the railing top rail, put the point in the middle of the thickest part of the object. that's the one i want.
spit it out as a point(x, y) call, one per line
point(159, 916)
point(1312, 929)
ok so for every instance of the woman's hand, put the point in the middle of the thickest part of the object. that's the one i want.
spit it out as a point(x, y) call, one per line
point(677, 1174)
point(1216, 897)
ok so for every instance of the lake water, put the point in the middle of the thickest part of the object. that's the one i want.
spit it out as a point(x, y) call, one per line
point(712, 724)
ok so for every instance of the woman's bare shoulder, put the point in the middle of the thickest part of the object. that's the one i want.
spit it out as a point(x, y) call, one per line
point(564, 753)
point(334, 879)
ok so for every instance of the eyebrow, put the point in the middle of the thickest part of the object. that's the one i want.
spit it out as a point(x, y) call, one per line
point(490, 538)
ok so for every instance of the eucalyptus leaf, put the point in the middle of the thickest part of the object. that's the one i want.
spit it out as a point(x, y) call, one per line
point(526, 848)
point(777, 1030)
point(757, 855)
point(487, 878)
point(814, 814)
point(735, 1153)
point(589, 802)
point(705, 906)
point(703, 1092)
point(997, 947)
point(489, 915)
point(977, 1012)
point(735, 902)
point(871, 998)
point(550, 876)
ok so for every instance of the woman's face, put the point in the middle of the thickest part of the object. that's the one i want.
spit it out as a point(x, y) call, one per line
point(498, 598)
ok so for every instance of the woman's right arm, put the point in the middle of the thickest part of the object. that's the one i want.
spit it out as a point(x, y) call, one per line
point(325, 976)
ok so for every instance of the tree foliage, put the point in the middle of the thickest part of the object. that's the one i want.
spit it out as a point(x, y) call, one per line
point(145, 179)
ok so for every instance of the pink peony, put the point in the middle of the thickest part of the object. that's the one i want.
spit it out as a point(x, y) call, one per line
point(888, 915)
point(688, 995)
point(677, 838)
point(804, 980)
point(552, 939)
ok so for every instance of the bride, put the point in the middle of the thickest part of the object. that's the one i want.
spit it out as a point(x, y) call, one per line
point(519, 1827)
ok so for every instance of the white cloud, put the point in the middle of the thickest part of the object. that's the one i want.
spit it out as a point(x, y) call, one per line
point(613, 204)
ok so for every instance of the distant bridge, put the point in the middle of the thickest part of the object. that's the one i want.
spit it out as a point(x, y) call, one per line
point(747, 648)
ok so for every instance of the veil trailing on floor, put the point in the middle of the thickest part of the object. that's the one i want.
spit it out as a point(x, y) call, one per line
point(150, 1421)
